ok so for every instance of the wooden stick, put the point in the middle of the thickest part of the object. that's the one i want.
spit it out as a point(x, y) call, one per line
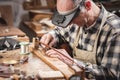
point(62, 54)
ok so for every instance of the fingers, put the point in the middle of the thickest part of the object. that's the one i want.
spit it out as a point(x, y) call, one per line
point(46, 39)
point(43, 38)
point(53, 42)
point(55, 54)
point(50, 52)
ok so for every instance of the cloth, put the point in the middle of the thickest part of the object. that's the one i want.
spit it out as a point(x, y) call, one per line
point(9, 44)
point(108, 47)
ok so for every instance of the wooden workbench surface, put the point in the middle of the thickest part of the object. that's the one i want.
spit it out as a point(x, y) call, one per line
point(10, 31)
point(34, 65)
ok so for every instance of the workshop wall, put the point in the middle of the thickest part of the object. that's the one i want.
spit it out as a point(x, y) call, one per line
point(20, 14)
point(17, 9)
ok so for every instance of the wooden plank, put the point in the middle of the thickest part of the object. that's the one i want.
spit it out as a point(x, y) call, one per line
point(50, 75)
point(10, 31)
point(37, 4)
point(55, 64)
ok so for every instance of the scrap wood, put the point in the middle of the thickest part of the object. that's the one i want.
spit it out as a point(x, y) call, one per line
point(5, 71)
point(50, 75)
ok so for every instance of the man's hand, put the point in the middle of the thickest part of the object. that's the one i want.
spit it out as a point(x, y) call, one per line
point(48, 39)
point(58, 54)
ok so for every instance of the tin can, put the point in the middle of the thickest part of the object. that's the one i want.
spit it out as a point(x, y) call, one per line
point(24, 47)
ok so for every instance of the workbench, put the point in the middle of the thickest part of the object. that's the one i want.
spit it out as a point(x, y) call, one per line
point(38, 28)
point(34, 66)
point(10, 31)
point(31, 67)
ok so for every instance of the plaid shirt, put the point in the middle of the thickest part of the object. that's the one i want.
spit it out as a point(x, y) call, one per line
point(108, 47)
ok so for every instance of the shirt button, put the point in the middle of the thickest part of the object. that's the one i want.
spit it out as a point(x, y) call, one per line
point(89, 48)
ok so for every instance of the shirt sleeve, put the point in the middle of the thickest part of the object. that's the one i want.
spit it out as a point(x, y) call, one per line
point(57, 34)
point(64, 34)
point(110, 67)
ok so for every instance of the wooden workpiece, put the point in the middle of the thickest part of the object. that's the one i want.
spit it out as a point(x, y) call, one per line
point(55, 63)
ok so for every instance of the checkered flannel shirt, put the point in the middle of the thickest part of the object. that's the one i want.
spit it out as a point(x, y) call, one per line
point(108, 47)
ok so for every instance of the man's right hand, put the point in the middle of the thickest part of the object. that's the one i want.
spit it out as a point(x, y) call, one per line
point(48, 39)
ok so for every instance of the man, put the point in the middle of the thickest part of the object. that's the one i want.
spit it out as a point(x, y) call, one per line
point(92, 32)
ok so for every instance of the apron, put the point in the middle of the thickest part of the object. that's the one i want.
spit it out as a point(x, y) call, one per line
point(87, 56)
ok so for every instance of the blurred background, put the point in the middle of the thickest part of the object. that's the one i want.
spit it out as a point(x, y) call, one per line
point(27, 14)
